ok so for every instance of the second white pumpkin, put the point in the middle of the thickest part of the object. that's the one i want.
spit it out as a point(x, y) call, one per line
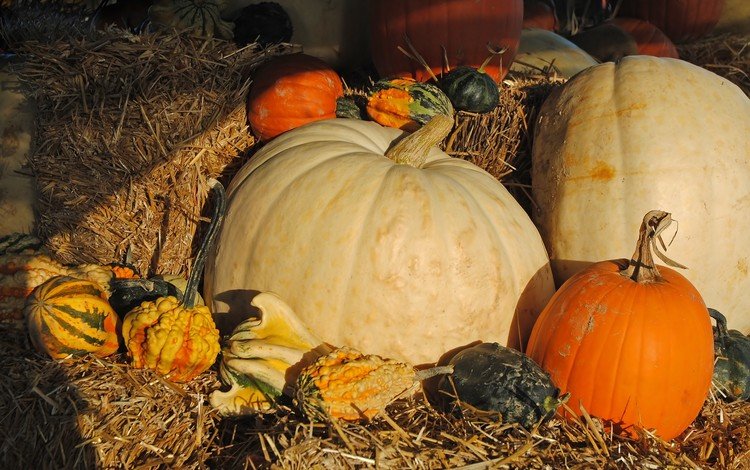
point(621, 139)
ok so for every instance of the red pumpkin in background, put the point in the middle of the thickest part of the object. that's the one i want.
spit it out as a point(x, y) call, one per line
point(289, 91)
point(649, 39)
point(458, 30)
point(680, 20)
point(539, 14)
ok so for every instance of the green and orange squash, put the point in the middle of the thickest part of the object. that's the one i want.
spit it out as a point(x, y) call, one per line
point(69, 316)
point(406, 104)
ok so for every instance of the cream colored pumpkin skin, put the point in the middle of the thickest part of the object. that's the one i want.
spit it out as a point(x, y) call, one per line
point(544, 49)
point(391, 259)
point(619, 140)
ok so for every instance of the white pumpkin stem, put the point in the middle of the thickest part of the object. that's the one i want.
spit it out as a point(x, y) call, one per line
point(413, 149)
point(641, 267)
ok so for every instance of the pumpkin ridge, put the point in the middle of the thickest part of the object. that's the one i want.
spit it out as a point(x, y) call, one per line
point(620, 355)
point(51, 342)
point(355, 247)
point(64, 286)
point(580, 342)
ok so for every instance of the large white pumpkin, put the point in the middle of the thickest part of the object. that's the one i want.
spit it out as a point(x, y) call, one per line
point(388, 258)
point(621, 139)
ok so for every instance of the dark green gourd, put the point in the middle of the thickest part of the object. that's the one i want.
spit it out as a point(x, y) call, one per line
point(491, 377)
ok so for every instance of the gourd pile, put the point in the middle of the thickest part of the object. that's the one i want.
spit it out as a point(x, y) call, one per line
point(354, 269)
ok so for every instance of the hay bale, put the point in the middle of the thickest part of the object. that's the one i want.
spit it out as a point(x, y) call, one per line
point(129, 129)
point(727, 55)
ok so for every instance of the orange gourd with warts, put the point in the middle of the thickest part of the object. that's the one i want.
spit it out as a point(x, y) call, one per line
point(177, 339)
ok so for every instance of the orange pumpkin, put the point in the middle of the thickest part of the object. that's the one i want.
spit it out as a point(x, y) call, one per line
point(630, 342)
point(289, 91)
point(680, 20)
point(649, 39)
point(458, 30)
point(539, 14)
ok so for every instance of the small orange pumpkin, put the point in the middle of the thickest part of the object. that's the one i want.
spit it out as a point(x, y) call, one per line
point(289, 91)
point(630, 342)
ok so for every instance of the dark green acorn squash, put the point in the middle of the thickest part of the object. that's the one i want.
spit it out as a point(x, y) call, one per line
point(491, 377)
point(470, 89)
point(126, 294)
point(350, 107)
point(406, 104)
point(732, 364)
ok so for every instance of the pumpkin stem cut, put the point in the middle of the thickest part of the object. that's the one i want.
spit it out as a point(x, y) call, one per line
point(641, 267)
point(413, 149)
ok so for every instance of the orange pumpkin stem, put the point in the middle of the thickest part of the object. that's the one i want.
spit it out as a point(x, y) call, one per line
point(413, 149)
point(641, 267)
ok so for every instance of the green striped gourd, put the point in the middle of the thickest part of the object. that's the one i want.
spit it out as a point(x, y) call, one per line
point(69, 316)
point(202, 17)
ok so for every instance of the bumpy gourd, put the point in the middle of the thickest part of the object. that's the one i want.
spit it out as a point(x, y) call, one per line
point(491, 377)
point(69, 316)
point(348, 385)
point(176, 338)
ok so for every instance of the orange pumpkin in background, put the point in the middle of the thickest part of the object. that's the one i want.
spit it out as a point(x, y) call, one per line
point(458, 30)
point(539, 14)
point(630, 342)
point(289, 91)
point(680, 20)
point(649, 39)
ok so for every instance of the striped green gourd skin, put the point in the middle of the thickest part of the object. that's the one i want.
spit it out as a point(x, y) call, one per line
point(406, 104)
point(203, 17)
point(69, 316)
point(470, 90)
